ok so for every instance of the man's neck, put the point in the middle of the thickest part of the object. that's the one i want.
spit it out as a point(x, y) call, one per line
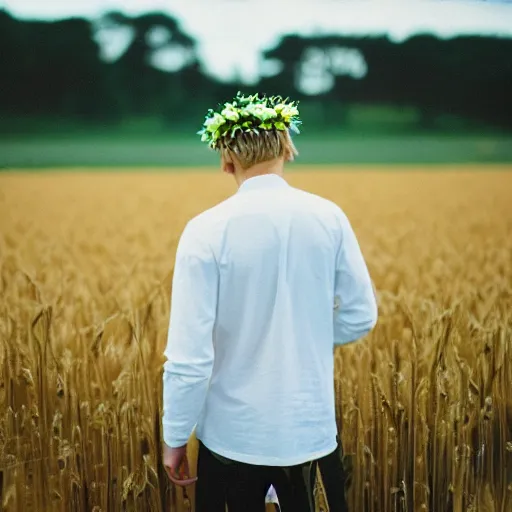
point(263, 169)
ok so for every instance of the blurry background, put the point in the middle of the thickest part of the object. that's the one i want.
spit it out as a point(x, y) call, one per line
point(86, 259)
point(95, 83)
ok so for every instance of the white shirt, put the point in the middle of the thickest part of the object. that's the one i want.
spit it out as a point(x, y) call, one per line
point(264, 284)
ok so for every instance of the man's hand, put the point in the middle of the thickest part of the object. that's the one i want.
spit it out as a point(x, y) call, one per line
point(176, 465)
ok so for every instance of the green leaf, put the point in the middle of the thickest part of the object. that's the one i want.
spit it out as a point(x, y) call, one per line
point(294, 128)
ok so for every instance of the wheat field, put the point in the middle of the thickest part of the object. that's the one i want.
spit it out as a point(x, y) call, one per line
point(424, 403)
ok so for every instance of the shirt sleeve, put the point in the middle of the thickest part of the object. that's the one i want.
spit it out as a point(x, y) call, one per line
point(355, 304)
point(189, 350)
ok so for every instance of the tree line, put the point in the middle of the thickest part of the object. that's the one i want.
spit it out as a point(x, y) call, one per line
point(57, 70)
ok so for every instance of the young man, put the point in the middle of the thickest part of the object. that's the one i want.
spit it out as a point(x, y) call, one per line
point(264, 285)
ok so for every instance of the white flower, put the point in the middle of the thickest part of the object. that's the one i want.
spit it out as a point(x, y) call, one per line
point(252, 110)
point(289, 111)
point(231, 113)
point(268, 113)
point(214, 123)
point(260, 111)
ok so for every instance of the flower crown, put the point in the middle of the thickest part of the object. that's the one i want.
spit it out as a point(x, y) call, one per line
point(249, 114)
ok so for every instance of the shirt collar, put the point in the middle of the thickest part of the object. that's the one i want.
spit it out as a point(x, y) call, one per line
point(263, 182)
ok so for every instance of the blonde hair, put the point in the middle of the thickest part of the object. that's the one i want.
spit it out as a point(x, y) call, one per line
point(251, 148)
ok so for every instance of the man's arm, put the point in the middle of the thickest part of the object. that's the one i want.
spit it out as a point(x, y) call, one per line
point(189, 349)
point(355, 310)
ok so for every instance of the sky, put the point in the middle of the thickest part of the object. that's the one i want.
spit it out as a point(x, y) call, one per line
point(232, 33)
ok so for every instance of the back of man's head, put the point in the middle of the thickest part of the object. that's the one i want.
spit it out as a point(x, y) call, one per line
point(252, 130)
point(251, 148)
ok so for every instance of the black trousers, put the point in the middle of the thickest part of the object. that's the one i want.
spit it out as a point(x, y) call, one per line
point(243, 487)
point(334, 479)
